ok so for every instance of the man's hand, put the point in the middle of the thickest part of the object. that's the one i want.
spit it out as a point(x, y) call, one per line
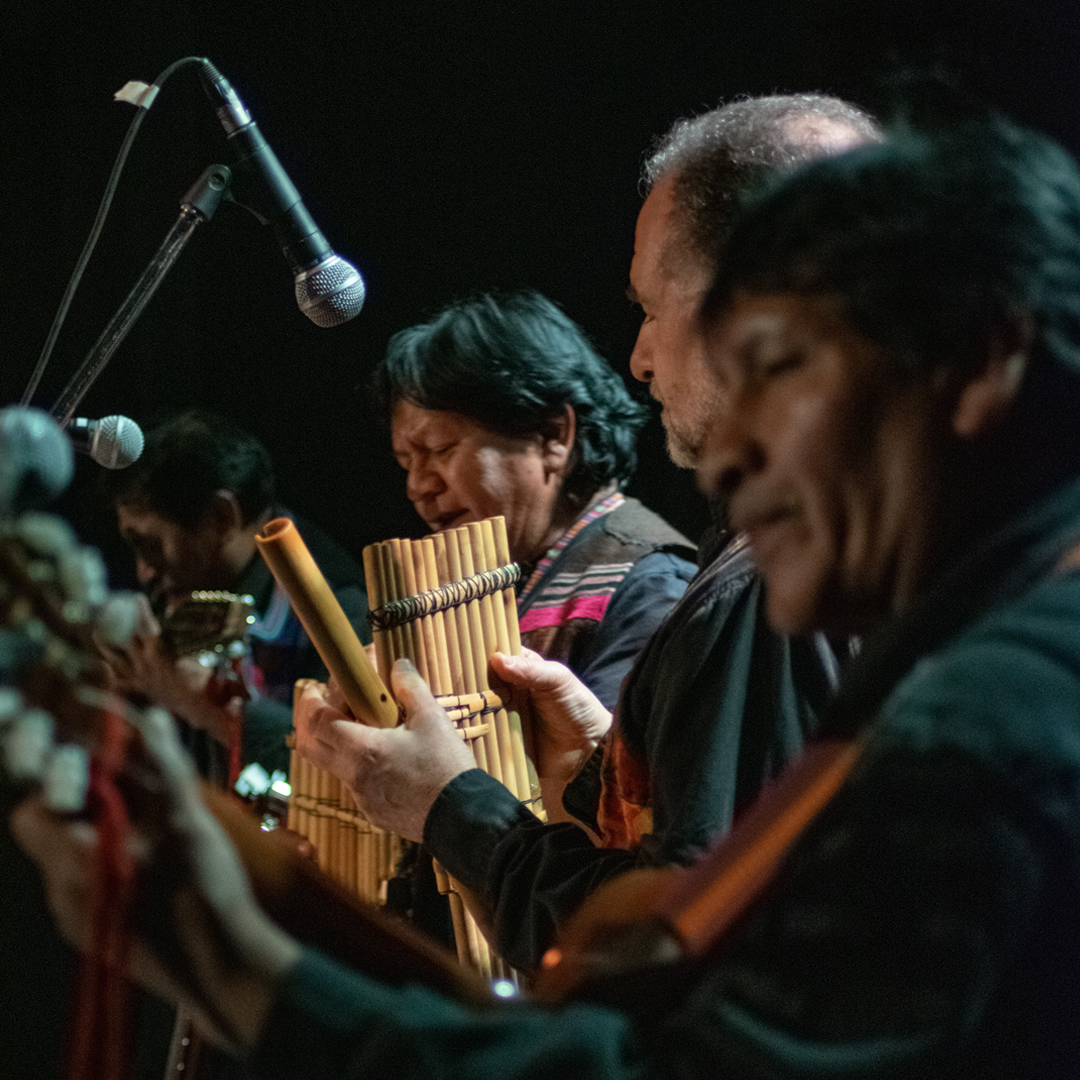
point(568, 719)
point(179, 684)
point(202, 941)
point(395, 774)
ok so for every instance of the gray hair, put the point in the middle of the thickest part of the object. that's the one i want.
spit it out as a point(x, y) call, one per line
point(717, 157)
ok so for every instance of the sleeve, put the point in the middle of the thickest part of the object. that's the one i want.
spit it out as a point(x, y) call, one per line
point(530, 875)
point(690, 691)
point(637, 608)
point(719, 710)
point(877, 955)
point(329, 1023)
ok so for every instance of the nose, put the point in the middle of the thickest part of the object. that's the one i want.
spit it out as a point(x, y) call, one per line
point(145, 573)
point(641, 361)
point(423, 482)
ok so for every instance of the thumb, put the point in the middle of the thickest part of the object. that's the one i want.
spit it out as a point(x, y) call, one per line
point(412, 693)
point(530, 671)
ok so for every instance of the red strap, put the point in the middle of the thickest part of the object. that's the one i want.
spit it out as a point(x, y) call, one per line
point(99, 1039)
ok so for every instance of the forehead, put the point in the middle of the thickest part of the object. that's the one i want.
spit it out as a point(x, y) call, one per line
point(654, 227)
point(410, 425)
point(662, 260)
point(137, 521)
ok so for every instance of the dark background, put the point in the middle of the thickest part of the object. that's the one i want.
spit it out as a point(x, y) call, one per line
point(445, 148)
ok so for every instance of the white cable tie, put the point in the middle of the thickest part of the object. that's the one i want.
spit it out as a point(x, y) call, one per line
point(138, 93)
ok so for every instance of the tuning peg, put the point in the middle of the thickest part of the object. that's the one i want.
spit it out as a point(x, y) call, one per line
point(11, 703)
point(45, 534)
point(67, 778)
point(117, 618)
point(27, 741)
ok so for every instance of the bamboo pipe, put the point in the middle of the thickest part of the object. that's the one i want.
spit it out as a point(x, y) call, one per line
point(326, 624)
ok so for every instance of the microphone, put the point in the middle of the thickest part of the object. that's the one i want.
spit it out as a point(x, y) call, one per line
point(329, 290)
point(113, 441)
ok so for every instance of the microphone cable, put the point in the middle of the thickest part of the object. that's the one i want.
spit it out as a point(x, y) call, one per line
point(146, 99)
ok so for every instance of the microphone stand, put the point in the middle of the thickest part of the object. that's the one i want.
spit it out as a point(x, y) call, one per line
point(196, 207)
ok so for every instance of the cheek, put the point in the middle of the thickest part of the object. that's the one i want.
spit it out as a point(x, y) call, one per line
point(481, 481)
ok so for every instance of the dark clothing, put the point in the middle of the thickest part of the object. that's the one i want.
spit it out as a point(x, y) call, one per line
point(927, 924)
point(716, 703)
point(593, 607)
point(605, 593)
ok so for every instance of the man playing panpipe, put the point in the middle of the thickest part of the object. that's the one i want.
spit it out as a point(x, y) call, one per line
point(898, 333)
point(500, 406)
point(716, 703)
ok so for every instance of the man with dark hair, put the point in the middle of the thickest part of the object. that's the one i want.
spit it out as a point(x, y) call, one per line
point(190, 509)
point(898, 336)
point(716, 703)
point(500, 405)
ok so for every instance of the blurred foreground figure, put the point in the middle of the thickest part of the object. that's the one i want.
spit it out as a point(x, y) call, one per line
point(898, 335)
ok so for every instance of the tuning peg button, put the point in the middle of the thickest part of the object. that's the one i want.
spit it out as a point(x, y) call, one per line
point(67, 778)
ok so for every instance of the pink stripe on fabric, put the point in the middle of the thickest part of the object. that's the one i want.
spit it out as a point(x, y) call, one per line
point(586, 607)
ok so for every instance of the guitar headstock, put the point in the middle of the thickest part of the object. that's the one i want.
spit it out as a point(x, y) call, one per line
point(54, 604)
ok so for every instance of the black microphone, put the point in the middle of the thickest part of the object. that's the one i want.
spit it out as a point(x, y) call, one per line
point(329, 290)
point(113, 441)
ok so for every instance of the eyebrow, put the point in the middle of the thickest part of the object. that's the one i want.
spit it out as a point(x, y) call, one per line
point(632, 295)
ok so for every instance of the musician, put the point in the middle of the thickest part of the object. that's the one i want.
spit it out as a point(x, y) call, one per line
point(716, 703)
point(898, 332)
point(499, 405)
point(189, 509)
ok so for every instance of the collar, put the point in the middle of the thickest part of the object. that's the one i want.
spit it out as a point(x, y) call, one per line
point(598, 510)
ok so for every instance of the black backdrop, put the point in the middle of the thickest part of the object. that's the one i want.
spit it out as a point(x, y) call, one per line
point(444, 146)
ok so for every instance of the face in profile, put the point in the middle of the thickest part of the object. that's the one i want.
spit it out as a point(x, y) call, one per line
point(459, 471)
point(669, 353)
point(171, 560)
point(830, 458)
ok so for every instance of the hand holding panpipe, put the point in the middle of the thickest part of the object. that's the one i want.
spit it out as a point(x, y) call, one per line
point(690, 908)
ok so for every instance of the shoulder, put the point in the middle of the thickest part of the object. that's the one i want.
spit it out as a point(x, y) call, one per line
point(636, 525)
point(1005, 690)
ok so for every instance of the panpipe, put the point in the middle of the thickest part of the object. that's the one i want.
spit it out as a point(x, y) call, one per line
point(446, 603)
point(347, 846)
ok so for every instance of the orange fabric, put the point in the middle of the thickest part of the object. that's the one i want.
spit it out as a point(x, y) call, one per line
point(625, 813)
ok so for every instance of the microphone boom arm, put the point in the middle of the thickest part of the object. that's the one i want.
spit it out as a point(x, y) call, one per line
point(196, 207)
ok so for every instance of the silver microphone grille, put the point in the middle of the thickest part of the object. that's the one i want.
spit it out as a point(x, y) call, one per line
point(118, 442)
point(330, 292)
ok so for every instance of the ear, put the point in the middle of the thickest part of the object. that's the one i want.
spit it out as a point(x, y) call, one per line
point(985, 399)
point(224, 513)
point(558, 440)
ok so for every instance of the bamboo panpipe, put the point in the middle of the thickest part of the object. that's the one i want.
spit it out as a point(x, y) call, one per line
point(446, 603)
point(349, 848)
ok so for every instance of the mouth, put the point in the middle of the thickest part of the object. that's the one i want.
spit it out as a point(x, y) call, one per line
point(763, 526)
point(442, 522)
